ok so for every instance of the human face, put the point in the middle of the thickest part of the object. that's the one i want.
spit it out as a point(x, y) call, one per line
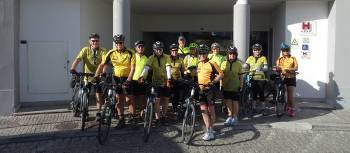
point(203, 57)
point(285, 52)
point(120, 45)
point(158, 51)
point(232, 56)
point(215, 50)
point(173, 52)
point(193, 51)
point(140, 49)
point(182, 42)
point(94, 43)
point(256, 52)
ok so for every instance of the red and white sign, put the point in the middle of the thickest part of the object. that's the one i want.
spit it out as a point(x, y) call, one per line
point(308, 28)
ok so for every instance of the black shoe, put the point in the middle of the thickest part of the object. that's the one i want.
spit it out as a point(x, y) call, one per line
point(157, 122)
point(121, 124)
point(98, 116)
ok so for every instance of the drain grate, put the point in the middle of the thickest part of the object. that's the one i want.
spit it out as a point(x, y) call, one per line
point(67, 125)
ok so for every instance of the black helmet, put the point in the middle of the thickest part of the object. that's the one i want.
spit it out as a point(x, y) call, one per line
point(158, 44)
point(139, 42)
point(203, 49)
point(173, 46)
point(232, 49)
point(285, 46)
point(94, 35)
point(118, 38)
point(256, 47)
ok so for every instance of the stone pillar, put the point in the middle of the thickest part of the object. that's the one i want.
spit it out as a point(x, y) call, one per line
point(241, 28)
point(121, 19)
point(9, 56)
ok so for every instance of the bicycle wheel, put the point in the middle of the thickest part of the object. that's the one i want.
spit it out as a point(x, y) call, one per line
point(105, 123)
point(84, 110)
point(148, 120)
point(280, 103)
point(188, 123)
point(74, 103)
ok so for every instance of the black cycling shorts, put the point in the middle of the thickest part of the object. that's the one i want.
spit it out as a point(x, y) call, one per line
point(290, 82)
point(120, 89)
point(232, 95)
point(206, 97)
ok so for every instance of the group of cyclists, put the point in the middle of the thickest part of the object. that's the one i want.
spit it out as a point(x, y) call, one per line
point(216, 75)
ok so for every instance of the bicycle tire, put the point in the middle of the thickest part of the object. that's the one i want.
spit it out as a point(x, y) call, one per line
point(84, 110)
point(105, 124)
point(148, 120)
point(74, 104)
point(188, 123)
point(280, 103)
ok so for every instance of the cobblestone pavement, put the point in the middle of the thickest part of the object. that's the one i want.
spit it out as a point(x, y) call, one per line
point(313, 130)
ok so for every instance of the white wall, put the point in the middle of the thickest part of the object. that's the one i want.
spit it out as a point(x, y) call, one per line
point(342, 52)
point(313, 72)
point(96, 16)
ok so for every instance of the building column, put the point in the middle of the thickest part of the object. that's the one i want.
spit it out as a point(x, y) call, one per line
point(9, 27)
point(121, 19)
point(241, 28)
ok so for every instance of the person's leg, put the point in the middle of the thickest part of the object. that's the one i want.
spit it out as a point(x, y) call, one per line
point(142, 99)
point(290, 95)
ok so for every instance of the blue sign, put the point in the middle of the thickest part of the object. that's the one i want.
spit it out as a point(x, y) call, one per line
point(305, 47)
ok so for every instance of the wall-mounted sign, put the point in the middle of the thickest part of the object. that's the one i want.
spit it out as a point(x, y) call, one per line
point(306, 40)
point(294, 44)
point(305, 47)
point(306, 55)
point(308, 28)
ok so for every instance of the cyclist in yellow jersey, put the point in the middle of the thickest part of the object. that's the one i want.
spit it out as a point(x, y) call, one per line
point(177, 70)
point(216, 57)
point(209, 74)
point(288, 65)
point(191, 61)
point(232, 83)
point(183, 50)
point(138, 90)
point(159, 62)
point(257, 63)
point(91, 57)
point(123, 62)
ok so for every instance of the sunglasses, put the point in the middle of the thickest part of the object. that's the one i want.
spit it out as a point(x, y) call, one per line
point(119, 42)
point(95, 40)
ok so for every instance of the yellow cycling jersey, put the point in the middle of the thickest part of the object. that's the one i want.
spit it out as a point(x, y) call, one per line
point(141, 61)
point(183, 50)
point(190, 61)
point(257, 64)
point(231, 72)
point(177, 67)
point(218, 59)
point(206, 72)
point(158, 66)
point(121, 61)
point(91, 59)
point(286, 63)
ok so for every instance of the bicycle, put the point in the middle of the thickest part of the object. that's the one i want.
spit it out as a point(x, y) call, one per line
point(279, 95)
point(108, 108)
point(246, 97)
point(189, 117)
point(148, 113)
point(80, 97)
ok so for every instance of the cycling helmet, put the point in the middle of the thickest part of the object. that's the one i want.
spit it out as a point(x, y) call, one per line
point(94, 35)
point(118, 38)
point(193, 45)
point(173, 46)
point(215, 45)
point(181, 38)
point(139, 42)
point(158, 44)
point(232, 49)
point(284, 46)
point(203, 49)
point(256, 47)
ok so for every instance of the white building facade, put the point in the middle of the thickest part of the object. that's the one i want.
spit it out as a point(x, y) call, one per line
point(40, 39)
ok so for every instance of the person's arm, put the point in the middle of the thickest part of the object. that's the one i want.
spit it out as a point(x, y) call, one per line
point(265, 67)
point(132, 71)
point(220, 74)
point(74, 65)
point(99, 69)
